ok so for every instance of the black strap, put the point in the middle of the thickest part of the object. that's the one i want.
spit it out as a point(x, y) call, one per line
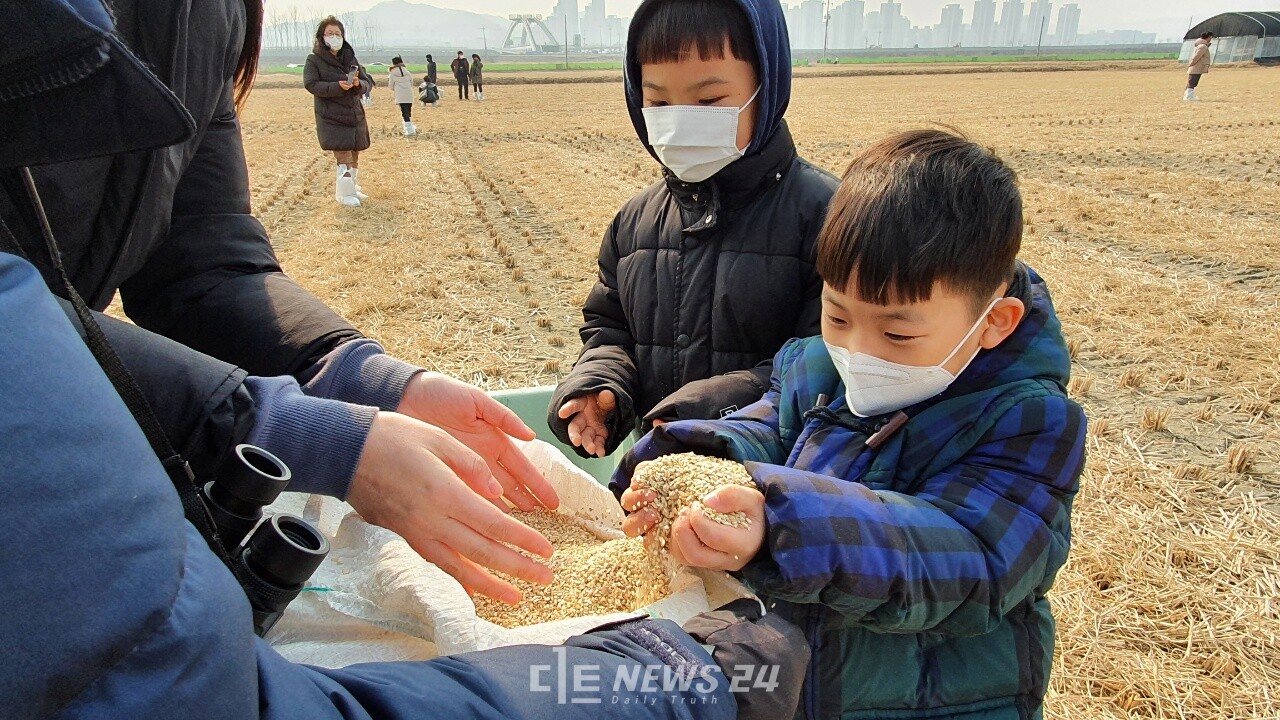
point(178, 469)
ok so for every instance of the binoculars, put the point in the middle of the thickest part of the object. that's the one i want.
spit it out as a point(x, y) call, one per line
point(274, 557)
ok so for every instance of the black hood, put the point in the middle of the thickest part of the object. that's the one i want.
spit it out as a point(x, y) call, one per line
point(773, 48)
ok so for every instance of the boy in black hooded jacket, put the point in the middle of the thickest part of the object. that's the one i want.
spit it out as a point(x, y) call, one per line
point(705, 274)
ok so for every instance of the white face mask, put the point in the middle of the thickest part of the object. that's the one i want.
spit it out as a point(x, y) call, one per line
point(694, 141)
point(333, 41)
point(874, 387)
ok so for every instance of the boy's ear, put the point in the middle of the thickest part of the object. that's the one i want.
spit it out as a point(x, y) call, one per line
point(1002, 321)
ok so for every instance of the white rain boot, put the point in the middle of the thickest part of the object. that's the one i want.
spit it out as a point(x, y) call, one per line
point(1186, 95)
point(345, 192)
point(480, 96)
point(409, 129)
point(1194, 97)
point(355, 177)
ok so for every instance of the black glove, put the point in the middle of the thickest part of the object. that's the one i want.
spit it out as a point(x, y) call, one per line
point(745, 642)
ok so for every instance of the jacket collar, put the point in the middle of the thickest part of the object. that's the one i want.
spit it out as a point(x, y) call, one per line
point(737, 184)
point(345, 58)
point(63, 62)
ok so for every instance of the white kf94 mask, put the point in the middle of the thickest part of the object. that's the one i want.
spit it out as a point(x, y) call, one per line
point(873, 386)
point(695, 141)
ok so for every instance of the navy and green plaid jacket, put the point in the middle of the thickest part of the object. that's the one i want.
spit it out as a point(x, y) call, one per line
point(919, 569)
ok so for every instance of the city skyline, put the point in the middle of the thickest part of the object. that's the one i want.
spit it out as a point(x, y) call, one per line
point(1168, 19)
point(856, 24)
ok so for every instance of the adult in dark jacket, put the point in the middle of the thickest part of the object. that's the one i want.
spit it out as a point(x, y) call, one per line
point(431, 71)
point(462, 73)
point(116, 607)
point(702, 279)
point(227, 346)
point(334, 77)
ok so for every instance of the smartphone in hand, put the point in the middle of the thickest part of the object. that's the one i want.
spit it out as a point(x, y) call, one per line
point(351, 77)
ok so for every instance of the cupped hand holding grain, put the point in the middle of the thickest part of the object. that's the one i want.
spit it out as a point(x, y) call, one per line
point(486, 426)
point(417, 481)
point(706, 511)
point(699, 541)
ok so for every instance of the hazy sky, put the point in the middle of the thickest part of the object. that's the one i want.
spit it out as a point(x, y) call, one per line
point(1167, 18)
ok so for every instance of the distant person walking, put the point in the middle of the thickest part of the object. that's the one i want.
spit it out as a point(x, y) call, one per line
point(1199, 66)
point(461, 73)
point(400, 80)
point(477, 76)
point(332, 75)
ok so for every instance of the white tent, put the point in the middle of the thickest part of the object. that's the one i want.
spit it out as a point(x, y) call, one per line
point(1238, 37)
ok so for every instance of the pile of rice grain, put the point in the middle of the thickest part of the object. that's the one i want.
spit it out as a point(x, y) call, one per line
point(681, 481)
point(592, 576)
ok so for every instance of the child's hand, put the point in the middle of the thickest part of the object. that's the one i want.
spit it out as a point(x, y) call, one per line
point(587, 429)
point(642, 518)
point(699, 541)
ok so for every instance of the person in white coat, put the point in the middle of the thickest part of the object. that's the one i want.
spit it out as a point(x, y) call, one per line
point(401, 84)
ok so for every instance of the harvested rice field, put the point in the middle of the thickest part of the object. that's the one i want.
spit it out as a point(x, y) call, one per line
point(1157, 223)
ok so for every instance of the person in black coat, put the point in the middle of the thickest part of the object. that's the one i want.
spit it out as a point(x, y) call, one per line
point(431, 71)
point(155, 209)
point(707, 273)
point(336, 79)
point(462, 73)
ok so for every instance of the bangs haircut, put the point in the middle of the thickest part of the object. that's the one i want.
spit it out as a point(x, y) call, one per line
point(919, 208)
point(674, 30)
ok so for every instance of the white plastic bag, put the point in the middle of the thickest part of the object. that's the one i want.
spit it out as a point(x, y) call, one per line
point(375, 599)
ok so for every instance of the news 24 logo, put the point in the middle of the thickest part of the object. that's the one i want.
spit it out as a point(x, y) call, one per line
point(588, 684)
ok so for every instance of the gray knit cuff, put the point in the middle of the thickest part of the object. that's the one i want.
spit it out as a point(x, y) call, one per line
point(360, 372)
point(320, 440)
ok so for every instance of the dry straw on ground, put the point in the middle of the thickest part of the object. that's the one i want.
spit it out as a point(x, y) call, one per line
point(1155, 222)
point(592, 576)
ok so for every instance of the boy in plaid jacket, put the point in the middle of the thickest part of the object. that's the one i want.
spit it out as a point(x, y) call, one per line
point(916, 463)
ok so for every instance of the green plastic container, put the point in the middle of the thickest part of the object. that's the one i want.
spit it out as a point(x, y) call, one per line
point(531, 405)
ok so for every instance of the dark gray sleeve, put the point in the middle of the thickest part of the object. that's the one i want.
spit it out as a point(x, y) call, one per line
point(202, 403)
point(714, 397)
point(314, 85)
point(215, 285)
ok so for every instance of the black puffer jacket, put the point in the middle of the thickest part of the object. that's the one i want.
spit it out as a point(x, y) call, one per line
point(340, 121)
point(700, 285)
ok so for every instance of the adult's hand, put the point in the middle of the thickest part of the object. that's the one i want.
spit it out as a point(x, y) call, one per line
point(587, 428)
point(486, 426)
point(345, 85)
point(416, 480)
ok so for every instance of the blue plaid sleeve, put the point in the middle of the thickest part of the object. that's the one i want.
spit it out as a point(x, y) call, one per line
point(751, 434)
point(955, 554)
